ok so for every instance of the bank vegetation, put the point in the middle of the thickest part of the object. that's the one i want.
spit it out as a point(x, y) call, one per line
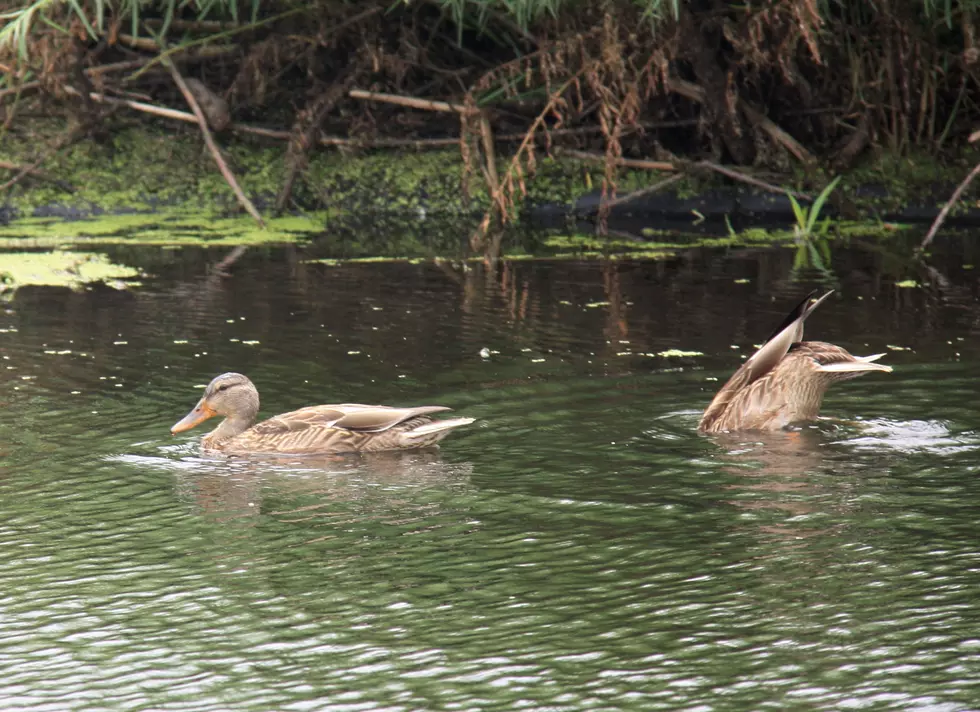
point(767, 92)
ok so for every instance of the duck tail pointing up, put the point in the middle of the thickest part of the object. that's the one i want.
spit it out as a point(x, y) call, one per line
point(437, 429)
point(858, 365)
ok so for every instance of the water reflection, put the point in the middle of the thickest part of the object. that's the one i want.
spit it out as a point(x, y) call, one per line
point(229, 488)
point(580, 547)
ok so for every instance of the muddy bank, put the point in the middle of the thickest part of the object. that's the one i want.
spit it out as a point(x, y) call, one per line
point(137, 171)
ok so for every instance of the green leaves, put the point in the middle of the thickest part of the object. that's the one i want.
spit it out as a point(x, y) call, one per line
point(806, 217)
point(95, 16)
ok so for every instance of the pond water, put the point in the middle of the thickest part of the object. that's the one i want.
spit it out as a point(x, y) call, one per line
point(578, 547)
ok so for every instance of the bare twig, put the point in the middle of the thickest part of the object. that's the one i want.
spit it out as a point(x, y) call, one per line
point(659, 185)
point(498, 206)
point(409, 101)
point(941, 218)
point(625, 162)
point(306, 127)
point(212, 146)
point(486, 134)
point(739, 176)
point(35, 173)
point(68, 137)
point(696, 93)
point(138, 106)
point(201, 54)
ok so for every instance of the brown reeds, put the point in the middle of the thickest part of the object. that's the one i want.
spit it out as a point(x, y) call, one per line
point(775, 84)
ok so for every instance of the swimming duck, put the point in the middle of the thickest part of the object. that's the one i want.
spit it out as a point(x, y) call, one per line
point(785, 380)
point(317, 429)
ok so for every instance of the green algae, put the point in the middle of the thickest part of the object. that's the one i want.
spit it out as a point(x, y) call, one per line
point(841, 229)
point(58, 268)
point(160, 229)
point(165, 169)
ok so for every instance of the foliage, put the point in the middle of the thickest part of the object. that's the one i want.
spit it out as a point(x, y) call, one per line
point(807, 216)
point(620, 78)
point(96, 17)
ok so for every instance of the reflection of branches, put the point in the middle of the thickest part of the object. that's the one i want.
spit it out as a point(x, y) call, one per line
point(514, 291)
point(221, 268)
point(616, 324)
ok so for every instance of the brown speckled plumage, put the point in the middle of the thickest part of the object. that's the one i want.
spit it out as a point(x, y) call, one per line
point(785, 380)
point(318, 429)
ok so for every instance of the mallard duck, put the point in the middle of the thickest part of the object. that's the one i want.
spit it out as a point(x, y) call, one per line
point(785, 380)
point(317, 429)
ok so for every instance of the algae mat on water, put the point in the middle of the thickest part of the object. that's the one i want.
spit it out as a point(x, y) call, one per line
point(163, 229)
point(62, 269)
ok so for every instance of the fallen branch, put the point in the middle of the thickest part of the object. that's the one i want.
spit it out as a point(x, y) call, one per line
point(201, 54)
point(420, 143)
point(138, 106)
point(489, 153)
point(35, 173)
point(696, 94)
point(625, 162)
point(659, 185)
point(736, 175)
point(69, 137)
point(410, 101)
point(498, 198)
point(307, 125)
point(941, 218)
point(212, 146)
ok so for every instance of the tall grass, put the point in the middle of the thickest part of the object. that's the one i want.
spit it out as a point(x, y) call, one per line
point(95, 16)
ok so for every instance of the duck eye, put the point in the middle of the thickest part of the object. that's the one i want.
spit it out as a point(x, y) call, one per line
point(223, 387)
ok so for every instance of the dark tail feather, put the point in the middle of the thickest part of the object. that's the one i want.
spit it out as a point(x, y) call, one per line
point(801, 312)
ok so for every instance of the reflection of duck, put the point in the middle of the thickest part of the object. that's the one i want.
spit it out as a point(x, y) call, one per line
point(317, 429)
point(785, 380)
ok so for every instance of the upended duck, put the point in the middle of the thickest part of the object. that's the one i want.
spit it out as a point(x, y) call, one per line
point(785, 380)
point(318, 429)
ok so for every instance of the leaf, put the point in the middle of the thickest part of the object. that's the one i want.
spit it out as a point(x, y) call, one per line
point(819, 202)
point(798, 211)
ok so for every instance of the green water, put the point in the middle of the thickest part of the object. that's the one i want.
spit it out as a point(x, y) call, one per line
point(579, 547)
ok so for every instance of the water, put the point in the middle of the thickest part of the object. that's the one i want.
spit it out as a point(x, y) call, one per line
point(579, 547)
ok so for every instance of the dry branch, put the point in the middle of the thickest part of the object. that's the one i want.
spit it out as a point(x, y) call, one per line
point(941, 218)
point(307, 125)
point(138, 106)
point(410, 101)
point(35, 173)
point(629, 197)
point(624, 162)
point(739, 176)
point(490, 154)
point(212, 146)
point(67, 138)
point(696, 94)
point(202, 53)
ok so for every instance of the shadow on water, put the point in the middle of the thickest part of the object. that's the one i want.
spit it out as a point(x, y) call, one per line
point(579, 546)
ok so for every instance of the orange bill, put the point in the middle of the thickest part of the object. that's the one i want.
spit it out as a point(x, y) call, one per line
point(198, 415)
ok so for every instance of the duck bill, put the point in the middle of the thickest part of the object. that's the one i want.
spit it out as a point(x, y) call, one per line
point(198, 415)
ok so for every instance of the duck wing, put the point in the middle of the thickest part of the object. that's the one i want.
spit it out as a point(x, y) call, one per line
point(762, 362)
point(346, 416)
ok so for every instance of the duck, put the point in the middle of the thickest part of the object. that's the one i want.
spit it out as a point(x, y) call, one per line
point(785, 380)
point(314, 430)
